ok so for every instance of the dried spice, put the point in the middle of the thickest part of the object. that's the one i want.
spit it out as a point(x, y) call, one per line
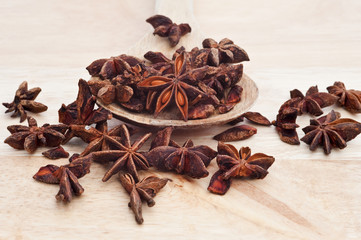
point(145, 190)
point(187, 160)
point(254, 117)
point(24, 101)
point(162, 138)
point(66, 176)
point(313, 102)
point(236, 133)
point(224, 52)
point(201, 111)
point(56, 153)
point(164, 27)
point(232, 98)
point(349, 99)
point(172, 88)
point(330, 131)
point(234, 164)
point(126, 157)
point(81, 112)
point(29, 138)
point(286, 123)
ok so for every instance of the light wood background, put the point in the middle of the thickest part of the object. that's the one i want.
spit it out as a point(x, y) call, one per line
point(292, 44)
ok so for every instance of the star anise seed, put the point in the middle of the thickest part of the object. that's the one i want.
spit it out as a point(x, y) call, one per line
point(24, 101)
point(234, 164)
point(145, 190)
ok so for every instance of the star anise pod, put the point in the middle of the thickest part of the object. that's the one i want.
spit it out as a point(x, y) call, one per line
point(330, 131)
point(254, 117)
point(56, 153)
point(66, 176)
point(237, 133)
point(145, 190)
point(24, 101)
point(234, 164)
point(160, 62)
point(111, 67)
point(286, 122)
point(82, 112)
point(313, 102)
point(126, 157)
point(187, 160)
point(164, 27)
point(231, 99)
point(29, 138)
point(173, 88)
point(349, 99)
point(224, 52)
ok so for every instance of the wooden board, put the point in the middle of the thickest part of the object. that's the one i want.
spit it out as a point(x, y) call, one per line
point(307, 195)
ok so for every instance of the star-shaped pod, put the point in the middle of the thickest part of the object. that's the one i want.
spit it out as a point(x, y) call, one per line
point(223, 52)
point(234, 164)
point(145, 190)
point(349, 99)
point(66, 176)
point(186, 160)
point(330, 131)
point(173, 88)
point(29, 138)
point(24, 101)
point(313, 102)
point(126, 157)
point(164, 27)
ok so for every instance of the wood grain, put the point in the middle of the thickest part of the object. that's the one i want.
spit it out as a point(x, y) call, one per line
point(296, 44)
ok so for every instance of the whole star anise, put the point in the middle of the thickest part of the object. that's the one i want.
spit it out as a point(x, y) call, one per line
point(29, 138)
point(172, 88)
point(164, 27)
point(234, 164)
point(286, 122)
point(349, 99)
point(313, 102)
point(187, 160)
point(66, 176)
point(24, 101)
point(330, 131)
point(144, 190)
point(126, 157)
point(224, 52)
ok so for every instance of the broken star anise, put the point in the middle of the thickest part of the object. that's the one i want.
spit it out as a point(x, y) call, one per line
point(224, 52)
point(330, 131)
point(313, 102)
point(349, 99)
point(164, 27)
point(125, 157)
point(237, 133)
point(234, 164)
point(172, 88)
point(187, 160)
point(56, 153)
point(24, 101)
point(144, 190)
point(66, 176)
point(29, 138)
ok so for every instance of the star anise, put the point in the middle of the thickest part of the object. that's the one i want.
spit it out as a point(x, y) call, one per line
point(66, 176)
point(144, 190)
point(349, 99)
point(237, 133)
point(173, 88)
point(313, 102)
point(234, 164)
point(286, 122)
point(254, 117)
point(111, 67)
point(164, 27)
point(29, 138)
point(330, 131)
point(81, 112)
point(187, 160)
point(160, 62)
point(56, 153)
point(126, 157)
point(24, 101)
point(224, 52)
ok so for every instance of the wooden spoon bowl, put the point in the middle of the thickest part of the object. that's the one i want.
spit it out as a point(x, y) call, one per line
point(179, 12)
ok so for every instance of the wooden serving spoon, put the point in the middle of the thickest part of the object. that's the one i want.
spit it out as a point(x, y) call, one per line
point(180, 11)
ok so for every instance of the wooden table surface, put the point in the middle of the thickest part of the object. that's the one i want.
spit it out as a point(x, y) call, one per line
point(292, 44)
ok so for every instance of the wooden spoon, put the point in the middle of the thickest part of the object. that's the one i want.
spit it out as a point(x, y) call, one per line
point(180, 11)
